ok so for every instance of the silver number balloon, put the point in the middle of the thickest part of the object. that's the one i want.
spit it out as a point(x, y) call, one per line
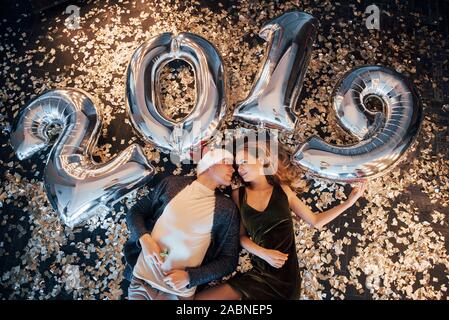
point(76, 186)
point(384, 136)
point(143, 97)
point(272, 100)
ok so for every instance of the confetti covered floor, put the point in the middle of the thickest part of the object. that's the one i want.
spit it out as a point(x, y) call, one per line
point(392, 245)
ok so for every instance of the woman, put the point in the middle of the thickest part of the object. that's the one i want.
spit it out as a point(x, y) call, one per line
point(266, 230)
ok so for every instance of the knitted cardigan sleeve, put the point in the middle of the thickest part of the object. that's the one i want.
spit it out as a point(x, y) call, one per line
point(144, 210)
point(227, 259)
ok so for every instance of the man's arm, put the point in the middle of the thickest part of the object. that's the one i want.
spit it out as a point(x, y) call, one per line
point(135, 219)
point(226, 262)
point(143, 210)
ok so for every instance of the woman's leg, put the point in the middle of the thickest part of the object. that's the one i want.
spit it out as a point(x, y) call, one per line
point(220, 292)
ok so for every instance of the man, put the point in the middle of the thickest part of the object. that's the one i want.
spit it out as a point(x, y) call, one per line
point(183, 234)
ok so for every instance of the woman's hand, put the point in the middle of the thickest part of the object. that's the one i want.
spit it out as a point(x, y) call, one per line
point(151, 249)
point(274, 257)
point(357, 192)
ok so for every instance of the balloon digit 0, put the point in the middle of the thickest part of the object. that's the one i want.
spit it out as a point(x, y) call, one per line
point(143, 97)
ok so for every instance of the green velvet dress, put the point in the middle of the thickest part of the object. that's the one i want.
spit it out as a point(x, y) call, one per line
point(271, 229)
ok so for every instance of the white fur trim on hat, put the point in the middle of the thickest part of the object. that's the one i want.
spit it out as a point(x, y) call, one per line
point(213, 157)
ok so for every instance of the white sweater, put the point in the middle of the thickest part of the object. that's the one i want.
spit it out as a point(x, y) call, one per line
point(186, 237)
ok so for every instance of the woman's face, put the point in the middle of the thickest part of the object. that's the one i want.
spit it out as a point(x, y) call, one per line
point(249, 168)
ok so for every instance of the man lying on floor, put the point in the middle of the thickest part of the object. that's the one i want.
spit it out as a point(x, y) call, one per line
point(183, 234)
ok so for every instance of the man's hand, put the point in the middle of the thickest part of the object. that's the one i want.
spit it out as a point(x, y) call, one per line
point(151, 249)
point(177, 279)
point(274, 257)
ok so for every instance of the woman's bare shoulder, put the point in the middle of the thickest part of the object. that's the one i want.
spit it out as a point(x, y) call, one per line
point(286, 188)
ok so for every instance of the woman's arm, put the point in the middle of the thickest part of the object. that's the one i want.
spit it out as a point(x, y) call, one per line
point(245, 241)
point(319, 220)
point(274, 257)
point(249, 244)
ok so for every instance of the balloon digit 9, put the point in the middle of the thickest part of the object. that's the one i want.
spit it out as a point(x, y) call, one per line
point(384, 136)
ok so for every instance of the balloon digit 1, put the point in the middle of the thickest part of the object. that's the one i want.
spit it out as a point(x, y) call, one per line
point(274, 95)
point(143, 97)
point(384, 136)
point(76, 186)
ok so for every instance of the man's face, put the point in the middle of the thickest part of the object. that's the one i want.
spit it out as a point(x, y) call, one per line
point(222, 172)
